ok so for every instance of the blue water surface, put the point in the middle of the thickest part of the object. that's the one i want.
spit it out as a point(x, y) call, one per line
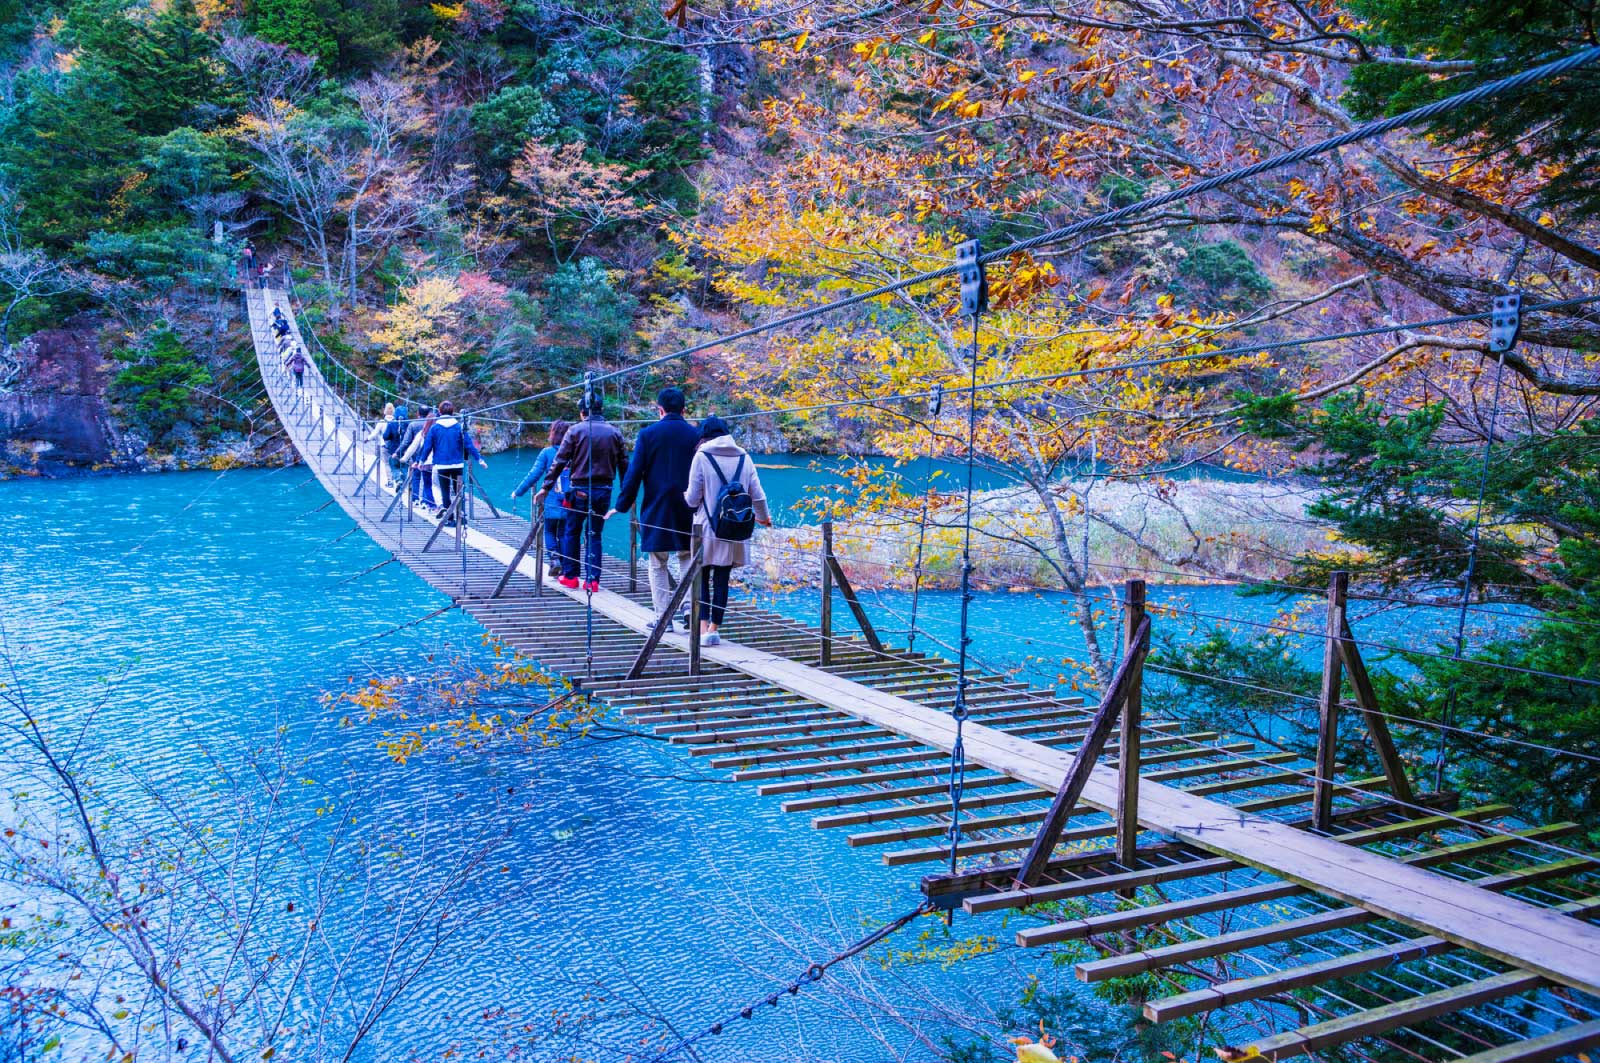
point(199, 614)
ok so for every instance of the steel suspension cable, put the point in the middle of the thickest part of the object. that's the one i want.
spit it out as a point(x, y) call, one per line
point(1365, 131)
point(959, 711)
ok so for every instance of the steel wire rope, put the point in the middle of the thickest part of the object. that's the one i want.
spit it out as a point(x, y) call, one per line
point(812, 974)
point(1365, 131)
point(1171, 609)
point(1154, 363)
point(1034, 639)
point(1288, 629)
point(1313, 777)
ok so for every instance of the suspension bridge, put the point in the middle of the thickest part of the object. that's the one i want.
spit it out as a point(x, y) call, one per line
point(1319, 914)
point(1308, 912)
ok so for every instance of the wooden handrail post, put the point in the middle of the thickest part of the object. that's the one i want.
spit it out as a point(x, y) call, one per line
point(1328, 704)
point(694, 622)
point(826, 623)
point(633, 551)
point(1133, 617)
point(536, 517)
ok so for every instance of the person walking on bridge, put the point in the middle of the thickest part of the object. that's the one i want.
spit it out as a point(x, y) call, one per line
point(382, 429)
point(421, 478)
point(593, 455)
point(659, 471)
point(448, 445)
point(298, 364)
point(727, 499)
point(555, 511)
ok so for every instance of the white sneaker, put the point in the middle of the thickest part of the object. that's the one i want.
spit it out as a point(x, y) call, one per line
point(711, 639)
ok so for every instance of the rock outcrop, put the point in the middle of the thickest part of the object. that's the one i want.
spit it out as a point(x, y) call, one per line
point(54, 418)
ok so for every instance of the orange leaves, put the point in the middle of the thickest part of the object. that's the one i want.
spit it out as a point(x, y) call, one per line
point(1022, 281)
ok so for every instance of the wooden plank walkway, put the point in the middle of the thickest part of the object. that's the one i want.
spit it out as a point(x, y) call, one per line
point(865, 739)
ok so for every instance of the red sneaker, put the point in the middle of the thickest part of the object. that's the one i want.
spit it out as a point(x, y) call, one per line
point(593, 586)
point(569, 582)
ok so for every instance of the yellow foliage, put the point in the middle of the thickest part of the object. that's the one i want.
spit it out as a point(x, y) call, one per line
point(420, 331)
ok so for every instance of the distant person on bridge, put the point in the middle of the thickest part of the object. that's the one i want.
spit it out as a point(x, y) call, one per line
point(247, 264)
point(421, 478)
point(660, 469)
point(382, 429)
point(448, 445)
point(297, 364)
point(727, 500)
point(394, 435)
point(555, 503)
point(593, 455)
point(280, 324)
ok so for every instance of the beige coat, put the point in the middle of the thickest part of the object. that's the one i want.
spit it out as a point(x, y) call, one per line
point(705, 485)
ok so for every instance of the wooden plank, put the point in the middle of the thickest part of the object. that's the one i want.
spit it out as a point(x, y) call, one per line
point(1112, 922)
point(1546, 1048)
point(1320, 922)
point(1240, 990)
point(1375, 1021)
point(1019, 898)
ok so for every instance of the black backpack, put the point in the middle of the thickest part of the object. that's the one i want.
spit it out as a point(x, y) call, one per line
point(733, 514)
point(393, 432)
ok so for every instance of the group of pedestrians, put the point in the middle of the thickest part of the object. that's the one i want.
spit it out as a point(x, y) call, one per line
point(427, 455)
point(693, 484)
point(289, 349)
point(254, 272)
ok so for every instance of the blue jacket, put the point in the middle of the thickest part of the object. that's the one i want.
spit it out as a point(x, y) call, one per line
point(448, 444)
point(541, 467)
point(660, 466)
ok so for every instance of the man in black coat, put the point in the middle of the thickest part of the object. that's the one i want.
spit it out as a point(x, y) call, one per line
point(660, 472)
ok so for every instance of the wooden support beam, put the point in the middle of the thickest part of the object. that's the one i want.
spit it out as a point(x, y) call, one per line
point(1300, 976)
point(1380, 1020)
point(535, 532)
point(1377, 723)
point(849, 594)
point(1546, 1048)
point(1088, 753)
point(1077, 929)
point(664, 621)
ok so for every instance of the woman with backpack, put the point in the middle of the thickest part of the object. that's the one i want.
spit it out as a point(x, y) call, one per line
point(728, 501)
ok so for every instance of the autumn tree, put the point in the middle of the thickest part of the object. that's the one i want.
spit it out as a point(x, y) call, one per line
point(418, 338)
point(572, 197)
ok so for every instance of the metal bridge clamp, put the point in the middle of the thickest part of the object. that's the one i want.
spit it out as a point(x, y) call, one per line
point(1505, 323)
